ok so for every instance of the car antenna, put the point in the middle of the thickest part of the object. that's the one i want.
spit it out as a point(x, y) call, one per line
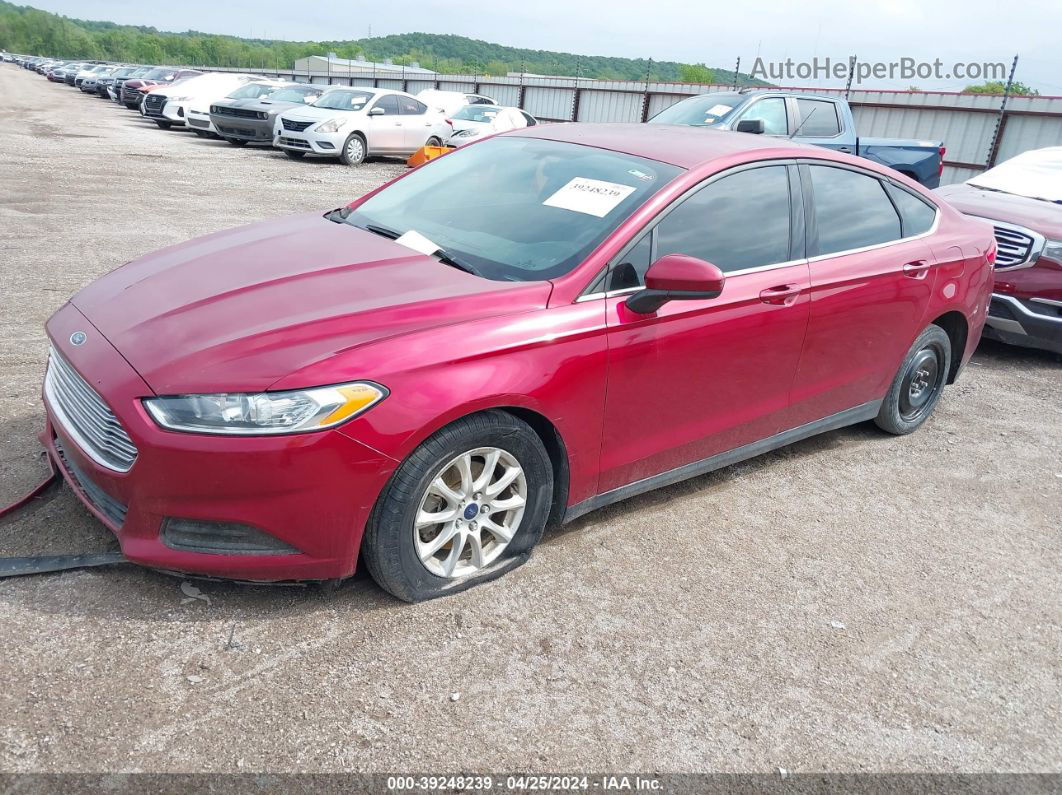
point(802, 123)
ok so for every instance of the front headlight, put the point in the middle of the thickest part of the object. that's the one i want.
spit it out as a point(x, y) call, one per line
point(266, 413)
point(330, 126)
point(1053, 250)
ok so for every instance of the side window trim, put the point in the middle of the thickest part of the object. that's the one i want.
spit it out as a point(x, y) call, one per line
point(594, 288)
point(804, 167)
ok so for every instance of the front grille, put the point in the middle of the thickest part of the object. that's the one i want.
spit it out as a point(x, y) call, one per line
point(84, 415)
point(1015, 246)
point(296, 126)
point(154, 102)
point(297, 143)
point(221, 538)
point(103, 502)
point(198, 122)
point(235, 131)
point(243, 113)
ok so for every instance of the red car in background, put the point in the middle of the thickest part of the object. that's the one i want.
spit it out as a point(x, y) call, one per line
point(130, 92)
point(1022, 198)
point(524, 330)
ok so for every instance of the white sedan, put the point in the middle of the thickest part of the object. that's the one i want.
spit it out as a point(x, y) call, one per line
point(353, 123)
point(474, 122)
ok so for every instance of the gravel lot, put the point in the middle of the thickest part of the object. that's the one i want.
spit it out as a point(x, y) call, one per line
point(856, 602)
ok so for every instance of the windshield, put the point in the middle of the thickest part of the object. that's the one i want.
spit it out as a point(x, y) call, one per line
point(125, 71)
point(343, 100)
point(293, 94)
point(480, 113)
point(1036, 174)
point(252, 91)
point(700, 111)
point(515, 209)
point(159, 74)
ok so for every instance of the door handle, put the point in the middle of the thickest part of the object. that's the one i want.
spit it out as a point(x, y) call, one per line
point(916, 270)
point(844, 149)
point(783, 294)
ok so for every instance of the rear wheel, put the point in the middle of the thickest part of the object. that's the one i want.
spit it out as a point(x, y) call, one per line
point(918, 385)
point(354, 152)
point(464, 508)
point(294, 155)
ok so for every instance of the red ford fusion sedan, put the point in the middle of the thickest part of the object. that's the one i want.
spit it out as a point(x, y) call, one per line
point(512, 335)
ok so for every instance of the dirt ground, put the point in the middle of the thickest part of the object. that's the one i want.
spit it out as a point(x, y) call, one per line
point(856, 602)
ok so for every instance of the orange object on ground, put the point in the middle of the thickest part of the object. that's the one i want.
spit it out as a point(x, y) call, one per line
point(426, 153)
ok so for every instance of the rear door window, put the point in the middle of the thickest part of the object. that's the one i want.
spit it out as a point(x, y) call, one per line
point(852, 210)
point(389, 103)
point(411, 107)
point(916, 215)
point(818, 119)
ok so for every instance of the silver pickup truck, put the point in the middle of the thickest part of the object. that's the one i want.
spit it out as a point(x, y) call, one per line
point(809, 118)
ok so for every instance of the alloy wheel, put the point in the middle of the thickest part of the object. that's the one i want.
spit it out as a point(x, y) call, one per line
point(470, 512)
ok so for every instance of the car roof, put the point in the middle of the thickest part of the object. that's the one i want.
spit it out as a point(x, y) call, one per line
point(677, 144)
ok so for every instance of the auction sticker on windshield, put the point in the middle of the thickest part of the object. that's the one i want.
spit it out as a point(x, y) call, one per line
point(590, 196)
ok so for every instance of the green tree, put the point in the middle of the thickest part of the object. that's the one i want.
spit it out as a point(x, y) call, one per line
point(998, 87)
point(695, 73)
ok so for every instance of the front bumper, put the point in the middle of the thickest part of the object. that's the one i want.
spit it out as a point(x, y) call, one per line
point(1028, 322)
point(172, 111)
point(254, 130)
point(314, 492)
point(316, 143)
point(197, 120)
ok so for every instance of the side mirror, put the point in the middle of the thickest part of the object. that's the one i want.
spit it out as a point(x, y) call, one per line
point(754, 126)
point(676, 277)
point(376, 112)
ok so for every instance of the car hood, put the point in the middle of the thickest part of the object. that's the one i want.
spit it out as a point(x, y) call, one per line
point(310, 113)
point(241, 309)
point(1040, 216)
point(267, 105)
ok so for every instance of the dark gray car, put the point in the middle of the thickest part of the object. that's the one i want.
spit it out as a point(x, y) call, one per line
point(250, 120)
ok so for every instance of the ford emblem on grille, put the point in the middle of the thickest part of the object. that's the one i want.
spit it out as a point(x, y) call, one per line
point(78, 338)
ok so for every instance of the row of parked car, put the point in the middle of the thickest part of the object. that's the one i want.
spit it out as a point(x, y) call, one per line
point(348, 123)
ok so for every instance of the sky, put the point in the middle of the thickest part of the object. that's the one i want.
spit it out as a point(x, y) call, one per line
point(876, 31)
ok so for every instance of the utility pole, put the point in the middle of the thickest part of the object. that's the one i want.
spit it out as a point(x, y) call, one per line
point(851, 74)
point(1001, 119)
point(737, 72)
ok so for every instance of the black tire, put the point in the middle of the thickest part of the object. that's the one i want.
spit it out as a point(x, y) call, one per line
point(294, 155)
point(201, 133)
point(433, 141)
point(354, 150)
point(131, 105)
point(919, 383)
point(236, 141)
point(163, 125)
point(388, 548)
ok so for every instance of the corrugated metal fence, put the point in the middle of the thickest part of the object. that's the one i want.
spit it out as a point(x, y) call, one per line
point(966, 123)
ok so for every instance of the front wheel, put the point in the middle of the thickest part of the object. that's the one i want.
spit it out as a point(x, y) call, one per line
point(919, 383)
point(237, 141)
point(434, 141)
point(294, 155)
point(163, 125)
point(353, 153)
point(464, 508)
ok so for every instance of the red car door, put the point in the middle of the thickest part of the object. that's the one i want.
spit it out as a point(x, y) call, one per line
point(871, 283)
point(700, 377)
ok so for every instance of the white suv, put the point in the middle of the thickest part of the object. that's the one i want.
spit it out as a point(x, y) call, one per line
point(353, 123)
